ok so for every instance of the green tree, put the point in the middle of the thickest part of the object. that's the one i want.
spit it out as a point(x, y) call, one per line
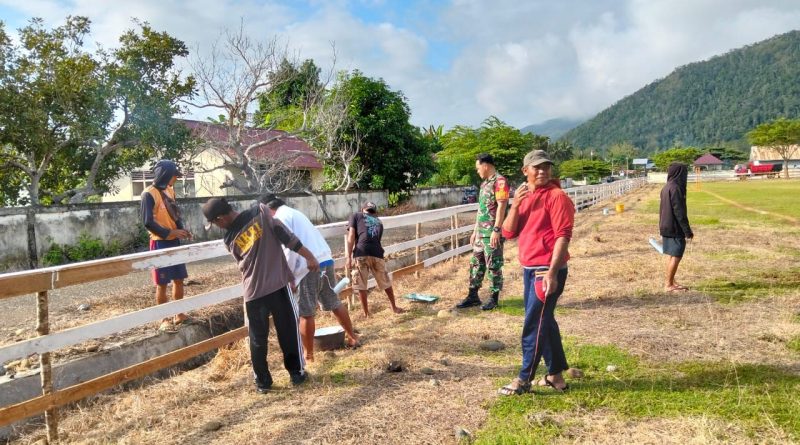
point(560, 151)
point(72, 121)
point(728, 155)
point(781, 135)
point(584, 168)
point(508, 146)
point(394, 154)
point(294, 88)
point(687, 155)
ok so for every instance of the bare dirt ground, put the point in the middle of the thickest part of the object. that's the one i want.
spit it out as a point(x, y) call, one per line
point(613, 296)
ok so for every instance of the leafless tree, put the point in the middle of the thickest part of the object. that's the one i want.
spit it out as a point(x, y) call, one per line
point(231, 78)
point(335, 149)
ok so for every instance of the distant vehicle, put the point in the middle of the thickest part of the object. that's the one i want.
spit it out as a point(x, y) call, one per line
point(609, 179)
point(743, 171)
point(470, 195)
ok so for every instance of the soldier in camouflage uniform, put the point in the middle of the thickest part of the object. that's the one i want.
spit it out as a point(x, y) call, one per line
point(486, 240)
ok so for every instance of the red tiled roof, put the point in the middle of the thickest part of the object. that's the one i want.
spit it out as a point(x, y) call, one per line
point(707, 159)
point(297, 152)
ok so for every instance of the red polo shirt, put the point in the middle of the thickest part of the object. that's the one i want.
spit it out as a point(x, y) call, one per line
point(545, 215)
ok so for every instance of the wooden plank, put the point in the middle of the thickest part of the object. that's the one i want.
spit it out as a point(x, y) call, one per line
point(56, 277)
point(449, 254)
point(426, 239)
point(22, 410)
point(390, 222)
point(73, 336)
point(408, 270)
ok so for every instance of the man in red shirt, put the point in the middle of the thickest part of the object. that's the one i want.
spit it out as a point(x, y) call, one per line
point(542, 217)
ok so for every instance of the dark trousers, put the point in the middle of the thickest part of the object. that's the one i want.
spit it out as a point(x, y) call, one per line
point(545, 340)
point(279, 304)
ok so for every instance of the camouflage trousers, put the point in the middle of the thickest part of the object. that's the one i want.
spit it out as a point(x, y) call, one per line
point(483, 258)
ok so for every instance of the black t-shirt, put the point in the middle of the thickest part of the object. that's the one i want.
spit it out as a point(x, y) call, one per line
point(369, 230)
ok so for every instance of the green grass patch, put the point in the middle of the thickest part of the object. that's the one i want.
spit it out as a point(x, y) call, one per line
point(512, 306)
point(515, 306)
point(794, 344)
point(773, 196)
point(757, 285)
point(706, 221)
point(733, 254)
point(756, 397)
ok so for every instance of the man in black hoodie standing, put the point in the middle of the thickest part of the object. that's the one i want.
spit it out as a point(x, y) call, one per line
point(674, 222)
point(162, 218)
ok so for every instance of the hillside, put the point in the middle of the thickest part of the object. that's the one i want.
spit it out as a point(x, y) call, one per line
point(705, 103)
point(552, 128)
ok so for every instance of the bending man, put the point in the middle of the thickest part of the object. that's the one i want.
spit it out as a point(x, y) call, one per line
point(254, 240)
point(312, 289)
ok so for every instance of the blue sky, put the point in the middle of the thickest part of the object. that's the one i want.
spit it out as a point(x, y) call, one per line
point(460, 61)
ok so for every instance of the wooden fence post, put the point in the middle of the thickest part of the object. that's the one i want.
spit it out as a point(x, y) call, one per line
point(452, 237)
point(417, 249)
point(43, 328)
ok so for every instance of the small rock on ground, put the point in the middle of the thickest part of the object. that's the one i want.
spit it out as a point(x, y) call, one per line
point(434, 382)
point(492, 345)
point(445, 313)
point(611, 368)
point(426, 371)
point(462, 434)
point(212, 426)
point(394, 366)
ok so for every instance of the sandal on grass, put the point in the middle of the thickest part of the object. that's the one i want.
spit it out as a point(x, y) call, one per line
point(545, 382)
point(515, 388)
point(556, 388)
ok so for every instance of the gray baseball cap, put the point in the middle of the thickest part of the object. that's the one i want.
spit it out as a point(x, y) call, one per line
point(536, 157)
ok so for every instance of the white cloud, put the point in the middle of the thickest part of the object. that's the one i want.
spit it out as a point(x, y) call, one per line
point(522, 61)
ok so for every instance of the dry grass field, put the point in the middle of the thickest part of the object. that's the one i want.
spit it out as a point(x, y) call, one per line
point(717, 364)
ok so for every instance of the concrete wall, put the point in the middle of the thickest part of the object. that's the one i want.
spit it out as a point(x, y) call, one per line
point(120, 220)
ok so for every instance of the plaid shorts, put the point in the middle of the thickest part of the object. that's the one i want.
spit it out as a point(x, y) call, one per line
point(317, 287)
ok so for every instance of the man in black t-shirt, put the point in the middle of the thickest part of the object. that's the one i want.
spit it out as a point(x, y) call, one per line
point(364, 253)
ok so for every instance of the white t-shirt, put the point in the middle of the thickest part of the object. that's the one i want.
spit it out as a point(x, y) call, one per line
point(311, 238)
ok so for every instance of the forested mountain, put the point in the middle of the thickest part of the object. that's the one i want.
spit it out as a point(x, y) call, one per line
point(552, 128)
point(714, 102)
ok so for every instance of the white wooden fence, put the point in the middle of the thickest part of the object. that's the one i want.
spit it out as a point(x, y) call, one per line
point(40, 281)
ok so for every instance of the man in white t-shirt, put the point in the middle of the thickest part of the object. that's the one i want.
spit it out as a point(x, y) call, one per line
point(311, 288)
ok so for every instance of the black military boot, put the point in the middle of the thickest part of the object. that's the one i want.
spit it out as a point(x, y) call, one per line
point(492, 303)
point(471, 300)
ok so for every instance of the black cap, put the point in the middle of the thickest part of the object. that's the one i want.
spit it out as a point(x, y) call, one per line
point(369, 206)
point(214, 208)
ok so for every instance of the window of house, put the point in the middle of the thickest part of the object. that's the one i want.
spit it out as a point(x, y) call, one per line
point(184, 186)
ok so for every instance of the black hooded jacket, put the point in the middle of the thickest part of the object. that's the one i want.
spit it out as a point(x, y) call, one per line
point(163, 172)
point(673, 220)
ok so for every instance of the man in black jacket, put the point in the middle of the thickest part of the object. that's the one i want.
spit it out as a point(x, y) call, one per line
point(674, 222)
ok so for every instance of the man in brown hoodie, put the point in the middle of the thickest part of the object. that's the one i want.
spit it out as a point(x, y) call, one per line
point(254, 239)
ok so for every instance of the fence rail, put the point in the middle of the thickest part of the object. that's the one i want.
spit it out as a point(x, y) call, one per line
point(40, 281)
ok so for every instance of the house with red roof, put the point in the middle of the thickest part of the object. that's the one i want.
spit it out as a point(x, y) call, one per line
point(212, 166)
point(708, 162)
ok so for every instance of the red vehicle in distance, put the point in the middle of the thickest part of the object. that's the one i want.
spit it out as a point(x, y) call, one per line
point(743, 171)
